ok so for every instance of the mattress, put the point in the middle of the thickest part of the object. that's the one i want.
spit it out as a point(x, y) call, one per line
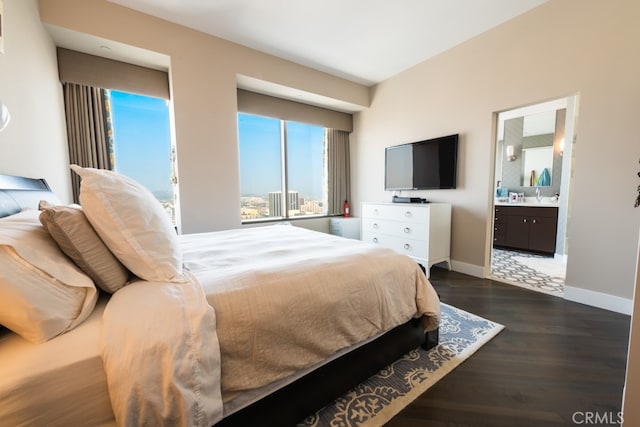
point(36, 378)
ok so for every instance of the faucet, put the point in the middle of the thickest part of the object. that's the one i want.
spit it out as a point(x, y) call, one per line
point(538, 195)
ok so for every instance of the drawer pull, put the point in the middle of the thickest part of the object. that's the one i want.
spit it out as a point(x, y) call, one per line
point(408, 214)
point(375, 240)
point(407, 246)
point(375, 225)
point(407, 230)
point(534, 221)
point(524, 220)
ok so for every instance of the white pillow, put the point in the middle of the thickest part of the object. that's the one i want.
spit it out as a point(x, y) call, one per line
point(132, 223)
point(42, 292)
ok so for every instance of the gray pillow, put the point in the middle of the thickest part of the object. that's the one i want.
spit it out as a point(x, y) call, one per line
point(76, 237)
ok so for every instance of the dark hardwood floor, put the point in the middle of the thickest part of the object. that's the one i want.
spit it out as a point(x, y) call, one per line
point(554, 359)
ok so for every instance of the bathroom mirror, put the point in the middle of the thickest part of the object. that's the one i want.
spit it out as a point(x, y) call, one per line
point(537, 163)
point(529, 153)
point(538, 132)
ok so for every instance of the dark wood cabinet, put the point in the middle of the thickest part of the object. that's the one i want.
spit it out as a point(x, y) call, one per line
point(526, 228)
point(517, 232)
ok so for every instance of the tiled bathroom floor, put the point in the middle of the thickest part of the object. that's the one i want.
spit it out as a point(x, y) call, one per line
point(505, 267)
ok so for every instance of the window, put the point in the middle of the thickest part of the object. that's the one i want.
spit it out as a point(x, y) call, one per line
point(281, 157)
point(142, 147)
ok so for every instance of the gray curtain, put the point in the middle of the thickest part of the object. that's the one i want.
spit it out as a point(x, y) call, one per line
point(339, 182)
point(88, 130)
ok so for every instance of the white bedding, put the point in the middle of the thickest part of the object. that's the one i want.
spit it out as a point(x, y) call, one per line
point(168, 355)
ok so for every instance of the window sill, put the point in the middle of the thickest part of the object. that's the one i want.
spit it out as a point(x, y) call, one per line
point(282, 219)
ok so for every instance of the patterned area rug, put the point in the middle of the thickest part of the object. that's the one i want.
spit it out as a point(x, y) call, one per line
point(509, 266)
point(382, 396)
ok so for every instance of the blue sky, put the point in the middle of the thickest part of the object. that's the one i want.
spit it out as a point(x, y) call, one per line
point(260, 156)
point(143, 148)
point(143, 139)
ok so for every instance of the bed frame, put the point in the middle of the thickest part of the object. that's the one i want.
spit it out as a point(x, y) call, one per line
point(294, 402)
point(17, 193)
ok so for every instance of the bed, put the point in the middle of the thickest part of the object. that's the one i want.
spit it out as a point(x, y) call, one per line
point(272, 371)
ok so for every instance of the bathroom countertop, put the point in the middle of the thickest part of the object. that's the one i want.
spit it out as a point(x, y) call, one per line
point(530, 202)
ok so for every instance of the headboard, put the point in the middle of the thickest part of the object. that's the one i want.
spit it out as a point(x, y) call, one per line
point(18, 192)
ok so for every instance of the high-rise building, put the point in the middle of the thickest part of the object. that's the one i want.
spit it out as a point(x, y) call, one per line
point(275, 203)
point(294, 203)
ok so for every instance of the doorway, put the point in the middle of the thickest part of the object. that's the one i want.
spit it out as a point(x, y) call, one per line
point(532, 188)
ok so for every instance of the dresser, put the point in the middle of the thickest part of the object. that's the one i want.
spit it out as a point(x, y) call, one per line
point(421, 231)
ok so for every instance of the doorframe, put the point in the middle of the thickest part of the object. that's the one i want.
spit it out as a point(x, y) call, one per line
point(572, 104)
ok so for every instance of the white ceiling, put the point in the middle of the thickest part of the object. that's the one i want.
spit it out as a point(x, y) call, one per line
point(365, 41)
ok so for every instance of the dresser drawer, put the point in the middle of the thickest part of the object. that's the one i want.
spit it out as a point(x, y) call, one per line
point(409, 230)
point(410, 247)
point(420, 231)
point(406, 213)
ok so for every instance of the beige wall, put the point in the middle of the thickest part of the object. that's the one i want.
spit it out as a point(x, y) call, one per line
point(203, 86)
point(562, 48)
point(34, 144)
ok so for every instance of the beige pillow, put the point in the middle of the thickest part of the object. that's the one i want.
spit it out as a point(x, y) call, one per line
point(132, 223)
point(72, 232)
point(42, 292)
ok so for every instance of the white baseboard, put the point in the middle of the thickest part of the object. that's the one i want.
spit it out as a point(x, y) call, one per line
point(560, 257)
point(470, 269)
point(598, 299)
point(582, 296)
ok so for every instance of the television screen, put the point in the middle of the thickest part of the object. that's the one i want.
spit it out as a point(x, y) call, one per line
point(422, 165)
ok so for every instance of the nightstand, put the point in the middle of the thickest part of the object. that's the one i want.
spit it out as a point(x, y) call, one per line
point(345, 227)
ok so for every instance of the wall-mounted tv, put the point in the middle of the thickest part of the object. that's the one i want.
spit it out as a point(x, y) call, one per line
point(422, 165)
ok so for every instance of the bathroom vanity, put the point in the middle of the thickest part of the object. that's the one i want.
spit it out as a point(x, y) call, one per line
point(527, 226)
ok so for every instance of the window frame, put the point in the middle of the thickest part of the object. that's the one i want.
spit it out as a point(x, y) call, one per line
point(172, 158)
point(284, 176)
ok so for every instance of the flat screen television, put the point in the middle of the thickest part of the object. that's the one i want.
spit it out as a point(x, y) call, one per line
point(422, 165)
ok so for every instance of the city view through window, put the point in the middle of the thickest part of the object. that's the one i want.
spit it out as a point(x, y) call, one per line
point(274, 155)
point(265, 172)
point(142, 143)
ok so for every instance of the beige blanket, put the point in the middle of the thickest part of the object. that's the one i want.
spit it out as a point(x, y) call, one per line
point(286, 298)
